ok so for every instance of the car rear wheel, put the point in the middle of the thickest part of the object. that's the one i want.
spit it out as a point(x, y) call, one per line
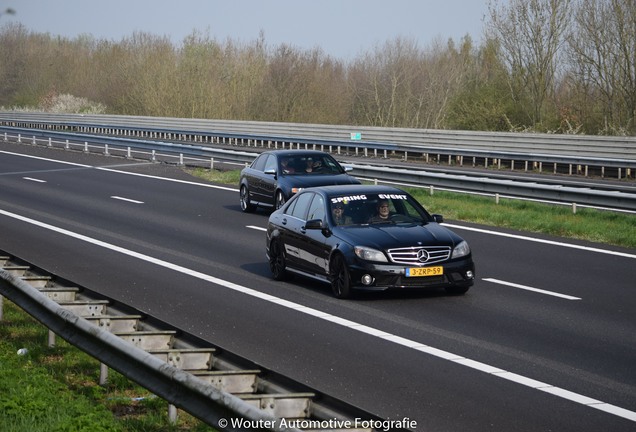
point(279, 200)
point(340, 279)
point(246, 204)
point(277, 262)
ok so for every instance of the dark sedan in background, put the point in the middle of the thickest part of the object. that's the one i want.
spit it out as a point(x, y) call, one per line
point(367, 238)
point(275, 176)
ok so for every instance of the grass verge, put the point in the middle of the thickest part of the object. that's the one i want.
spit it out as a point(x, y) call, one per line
point(55, 389)
point(612, 228)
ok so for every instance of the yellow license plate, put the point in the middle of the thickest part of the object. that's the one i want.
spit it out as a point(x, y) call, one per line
point(424, 271)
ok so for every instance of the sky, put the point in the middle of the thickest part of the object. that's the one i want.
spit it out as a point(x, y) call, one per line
point(341, 28)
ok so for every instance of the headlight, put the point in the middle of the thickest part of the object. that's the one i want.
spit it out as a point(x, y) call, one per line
point(461, 250)
point(369, 254)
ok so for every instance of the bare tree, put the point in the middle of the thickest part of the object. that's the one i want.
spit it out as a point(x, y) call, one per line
point(530, 33)
point(602, 50)
point(400, 85)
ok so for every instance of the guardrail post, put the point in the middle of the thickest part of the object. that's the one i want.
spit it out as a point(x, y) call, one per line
point(19, 138)
point(103, 374)
point(573, 208)
point(180, 158)
point(50, 339)
point(85, 146)
point(106, 149)
point(154, 158)
point(172, 414)
point(431, 189)
point(128, 155)
point(6, 137)
point(496, 198)
point(211, 163)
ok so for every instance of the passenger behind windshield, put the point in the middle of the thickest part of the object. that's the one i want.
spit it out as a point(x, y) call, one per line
point(338, 214)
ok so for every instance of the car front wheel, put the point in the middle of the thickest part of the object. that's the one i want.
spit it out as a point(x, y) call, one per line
point(340, 278)
point(246, 204)
point(277, 264)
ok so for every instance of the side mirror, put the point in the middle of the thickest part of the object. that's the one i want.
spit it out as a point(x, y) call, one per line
point(270, 171)
point(314, 224)
point(438, 218)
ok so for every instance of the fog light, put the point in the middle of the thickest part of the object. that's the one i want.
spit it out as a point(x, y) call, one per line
point(367, 279)
point(469, 274)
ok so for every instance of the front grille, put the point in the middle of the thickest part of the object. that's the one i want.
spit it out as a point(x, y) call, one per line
point(420, 255)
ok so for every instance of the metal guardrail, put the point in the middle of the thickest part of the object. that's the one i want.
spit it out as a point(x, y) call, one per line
point(419, 178)
point(596, 151)
point(222, 390)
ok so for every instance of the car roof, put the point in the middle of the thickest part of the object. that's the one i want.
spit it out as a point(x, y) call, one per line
point(294, 153)
point(356, 189)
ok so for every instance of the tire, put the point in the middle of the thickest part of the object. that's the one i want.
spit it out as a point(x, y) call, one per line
point(277, 264)
point(246, 204)
point(340, 278)
point(279, 200)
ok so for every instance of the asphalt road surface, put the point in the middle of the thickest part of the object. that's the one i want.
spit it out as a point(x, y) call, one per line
point(544, 341)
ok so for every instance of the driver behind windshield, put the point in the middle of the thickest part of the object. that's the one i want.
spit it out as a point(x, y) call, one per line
point(382, 213)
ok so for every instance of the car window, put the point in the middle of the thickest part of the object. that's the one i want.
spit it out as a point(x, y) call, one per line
point(331, 165)
point(317, 208)
point(301, 205)
point(270, 163)
point(259, 162)
point(396, 208)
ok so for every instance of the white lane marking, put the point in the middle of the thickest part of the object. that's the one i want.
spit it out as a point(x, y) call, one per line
point(34, 179)
point(524, 287)
point(45, 159)
point(126, 199)
point(418, 346)
point(256, 228)
point(485, 231)
point(168, 179)
point(550, 242)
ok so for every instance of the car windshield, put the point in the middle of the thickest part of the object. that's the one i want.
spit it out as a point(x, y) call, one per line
point(309, 165)
point(388, 208)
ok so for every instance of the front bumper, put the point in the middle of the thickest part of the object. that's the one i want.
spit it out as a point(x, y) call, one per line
point(459, 273)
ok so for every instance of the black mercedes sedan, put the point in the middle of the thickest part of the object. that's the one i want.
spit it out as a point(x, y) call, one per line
point(275, 176)
point(366, 238)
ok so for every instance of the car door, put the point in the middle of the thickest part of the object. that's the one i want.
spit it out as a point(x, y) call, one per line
point(292, 224)
point(258, 179)
point(312, 243)
point(269, 180)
